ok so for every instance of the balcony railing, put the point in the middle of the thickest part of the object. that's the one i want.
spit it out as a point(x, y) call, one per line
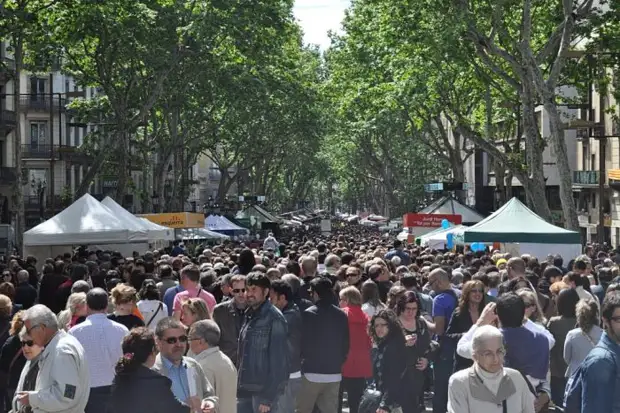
point(73, 154)
point(586, 177)
point(42, 103)
point(39, 151)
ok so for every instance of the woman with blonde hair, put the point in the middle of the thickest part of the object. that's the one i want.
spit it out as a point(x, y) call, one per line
point(585, 337)
point(192, 310)
point(125, 298)
point(74, 313)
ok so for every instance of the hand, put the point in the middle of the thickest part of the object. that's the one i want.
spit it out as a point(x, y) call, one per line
point(23, 397)
point(541, 401)
point(194, 403)
point(488, 315)
point(208, 406)
point(263, 408)
point(411, 340)
point(422, 364)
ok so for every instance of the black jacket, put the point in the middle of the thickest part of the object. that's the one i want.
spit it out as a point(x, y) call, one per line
point(229, 319)
point(293, 320)
point(48, 289)
point(325, 339)
point(26, 295)
point(389, 370)
point(144, 390)
point(460, 323)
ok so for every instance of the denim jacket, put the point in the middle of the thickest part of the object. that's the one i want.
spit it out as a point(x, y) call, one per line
point(263, 353)
point(601, 383)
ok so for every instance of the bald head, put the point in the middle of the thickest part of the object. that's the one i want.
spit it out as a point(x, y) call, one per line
point(515, 267)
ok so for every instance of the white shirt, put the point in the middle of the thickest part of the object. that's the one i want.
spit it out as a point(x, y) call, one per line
point(150, 313)
point(102, 340)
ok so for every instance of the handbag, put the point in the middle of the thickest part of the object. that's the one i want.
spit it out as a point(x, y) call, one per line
point(370, 401)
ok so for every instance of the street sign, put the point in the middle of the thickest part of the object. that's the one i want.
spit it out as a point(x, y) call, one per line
point(429, 220)
point(445, 186)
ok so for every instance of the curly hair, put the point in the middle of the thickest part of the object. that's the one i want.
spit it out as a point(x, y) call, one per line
point(395, 331)
point(17, 323)
point(587, 314)
point(394, 295)
point(137, 347)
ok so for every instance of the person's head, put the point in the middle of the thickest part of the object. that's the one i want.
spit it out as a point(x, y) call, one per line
point(353, 275)
point(192, 310)
point(309, 266)
point(439, 280)
point(610, 312)
point(149, 290)
point(17, 323)
point(97, 301)
point(552, 274)
point(171, 339)
point(515, 267)
point(6, 307)
point(410, 281)
point(408, 306)
point(139, 349)
point(370, 293)
point(204, 334)
point(80, 286)
point(488, 349)
point(510, 310)
point(350, 297)
point(280, 293)
point(332, 263)
point(257, 289)
point(190, 276)
point(124, 298)
point(322, 289)
point(394, 295)
point(398, 245)
point(76, 304)
point(566, 303)
point(30, 349)
point(473, 294)
point(533, 311)
point(582, 265)
point(165, 271)
point(587, 314)
point(22, 276)
point(41, 324)
point(384, 326)
point(237, 290)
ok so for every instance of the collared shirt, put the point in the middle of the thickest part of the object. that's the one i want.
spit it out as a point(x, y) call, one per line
point(195, 292)
point(102, 341)
point(178, 376)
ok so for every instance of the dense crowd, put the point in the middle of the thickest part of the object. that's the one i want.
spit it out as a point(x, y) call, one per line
point(313, 324)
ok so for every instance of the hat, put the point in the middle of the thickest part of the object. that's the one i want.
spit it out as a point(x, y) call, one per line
point(501, 261)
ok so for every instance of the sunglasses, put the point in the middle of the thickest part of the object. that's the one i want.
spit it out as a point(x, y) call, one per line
point(28, 343)
point(238, 290)
point(174, 340)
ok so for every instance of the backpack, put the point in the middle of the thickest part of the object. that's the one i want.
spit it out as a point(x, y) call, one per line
point(574, 389)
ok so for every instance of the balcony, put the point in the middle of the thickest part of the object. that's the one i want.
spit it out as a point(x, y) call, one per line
point(7, 70)
point(41, 103)
point(74, 154)
point(8, 121)
point(586, 178)
point(36, 151)
point(8, 176)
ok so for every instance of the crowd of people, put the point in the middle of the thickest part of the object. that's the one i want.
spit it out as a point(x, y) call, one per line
point(314, 324)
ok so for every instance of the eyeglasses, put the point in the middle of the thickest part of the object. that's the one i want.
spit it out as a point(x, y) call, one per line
point(28, 343)
point(238, 290)
point(352, 274)
point(174, 340)
point(501, 353)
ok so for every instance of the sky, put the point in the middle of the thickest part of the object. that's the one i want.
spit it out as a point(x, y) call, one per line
point(317, 17)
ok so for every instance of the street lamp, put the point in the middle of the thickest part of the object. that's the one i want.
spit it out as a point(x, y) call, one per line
point(155, 202)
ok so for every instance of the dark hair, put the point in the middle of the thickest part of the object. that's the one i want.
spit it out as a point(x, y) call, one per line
point(463, 301)
point(165, 271)
point(281, 287)
point(409, 281)
point(137, 347)
point(323, 287)
point(246, 261)
point(149, 290)
point(136, 278)
point(208, 279)
point(97, 299)
point(167, 323)
point(293, 267)
point(510, 310)
point(552, 272)
point(192, 273)
point(567, 303)
point(257, 279)
point(395, 331)
point(79, 272)
point(610, 303)
point(406, 298)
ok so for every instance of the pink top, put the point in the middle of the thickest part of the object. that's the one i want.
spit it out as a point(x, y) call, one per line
point(198, 292)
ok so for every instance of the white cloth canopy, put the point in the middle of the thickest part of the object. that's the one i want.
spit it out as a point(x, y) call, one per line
point(158, 232)
point(154, 231)
point(220, 223)
point(199, 233)
point(84, 222)
point(437, 239)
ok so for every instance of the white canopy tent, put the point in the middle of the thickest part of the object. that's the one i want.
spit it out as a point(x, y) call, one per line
point(158, 231)
point(155, 232)
point(187, 234)
point(85, 222)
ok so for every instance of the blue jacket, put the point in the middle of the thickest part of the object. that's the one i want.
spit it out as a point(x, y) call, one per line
point(263, 353)
point(601, 378)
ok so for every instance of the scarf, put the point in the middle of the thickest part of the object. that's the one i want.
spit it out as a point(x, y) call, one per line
point(490, 380)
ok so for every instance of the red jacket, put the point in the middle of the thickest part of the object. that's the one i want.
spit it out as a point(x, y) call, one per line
point(358, 364)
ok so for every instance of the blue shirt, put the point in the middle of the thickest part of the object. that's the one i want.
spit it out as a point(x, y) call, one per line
point(169, 297)
point(178, 376)
point(600, 378)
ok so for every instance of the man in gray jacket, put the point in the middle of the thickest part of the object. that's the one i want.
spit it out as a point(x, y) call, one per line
point(63, 381)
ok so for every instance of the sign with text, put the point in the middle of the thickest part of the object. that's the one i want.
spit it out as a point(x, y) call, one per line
point(177, 219)
point(429, 220)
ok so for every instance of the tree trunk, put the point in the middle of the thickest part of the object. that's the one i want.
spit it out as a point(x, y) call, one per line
point(19, 219)
point(566, 180)
point(123, 163)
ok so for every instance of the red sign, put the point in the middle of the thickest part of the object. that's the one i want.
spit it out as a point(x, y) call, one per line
point(429, 220)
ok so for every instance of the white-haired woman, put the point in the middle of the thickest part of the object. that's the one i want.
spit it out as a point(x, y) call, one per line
point(488, 386)
point(74, 313)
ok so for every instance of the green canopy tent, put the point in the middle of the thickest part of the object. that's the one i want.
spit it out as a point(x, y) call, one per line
point(516, 223)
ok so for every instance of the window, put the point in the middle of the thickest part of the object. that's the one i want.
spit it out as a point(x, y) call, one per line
point(77, 138)
point(592, 162)
point(38, 134)
point(67, 86)
point(37, 87)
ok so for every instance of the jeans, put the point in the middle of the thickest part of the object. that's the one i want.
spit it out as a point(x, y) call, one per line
point(443, 370)
point(287, 400)
point(354, 387)
point(98, 399)
point(558, 386)
point(250, 405)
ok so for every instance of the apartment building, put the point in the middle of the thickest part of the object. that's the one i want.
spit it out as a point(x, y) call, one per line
point(208, 177)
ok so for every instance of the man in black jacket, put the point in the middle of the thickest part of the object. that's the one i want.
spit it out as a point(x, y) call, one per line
point(324, 349)
point(281, 295)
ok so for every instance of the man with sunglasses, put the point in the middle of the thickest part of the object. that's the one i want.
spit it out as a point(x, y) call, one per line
point(185, 373)
point(229, 317)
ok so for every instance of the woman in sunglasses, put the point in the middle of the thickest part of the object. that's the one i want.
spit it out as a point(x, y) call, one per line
point(471, 304)
point(28, 379)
